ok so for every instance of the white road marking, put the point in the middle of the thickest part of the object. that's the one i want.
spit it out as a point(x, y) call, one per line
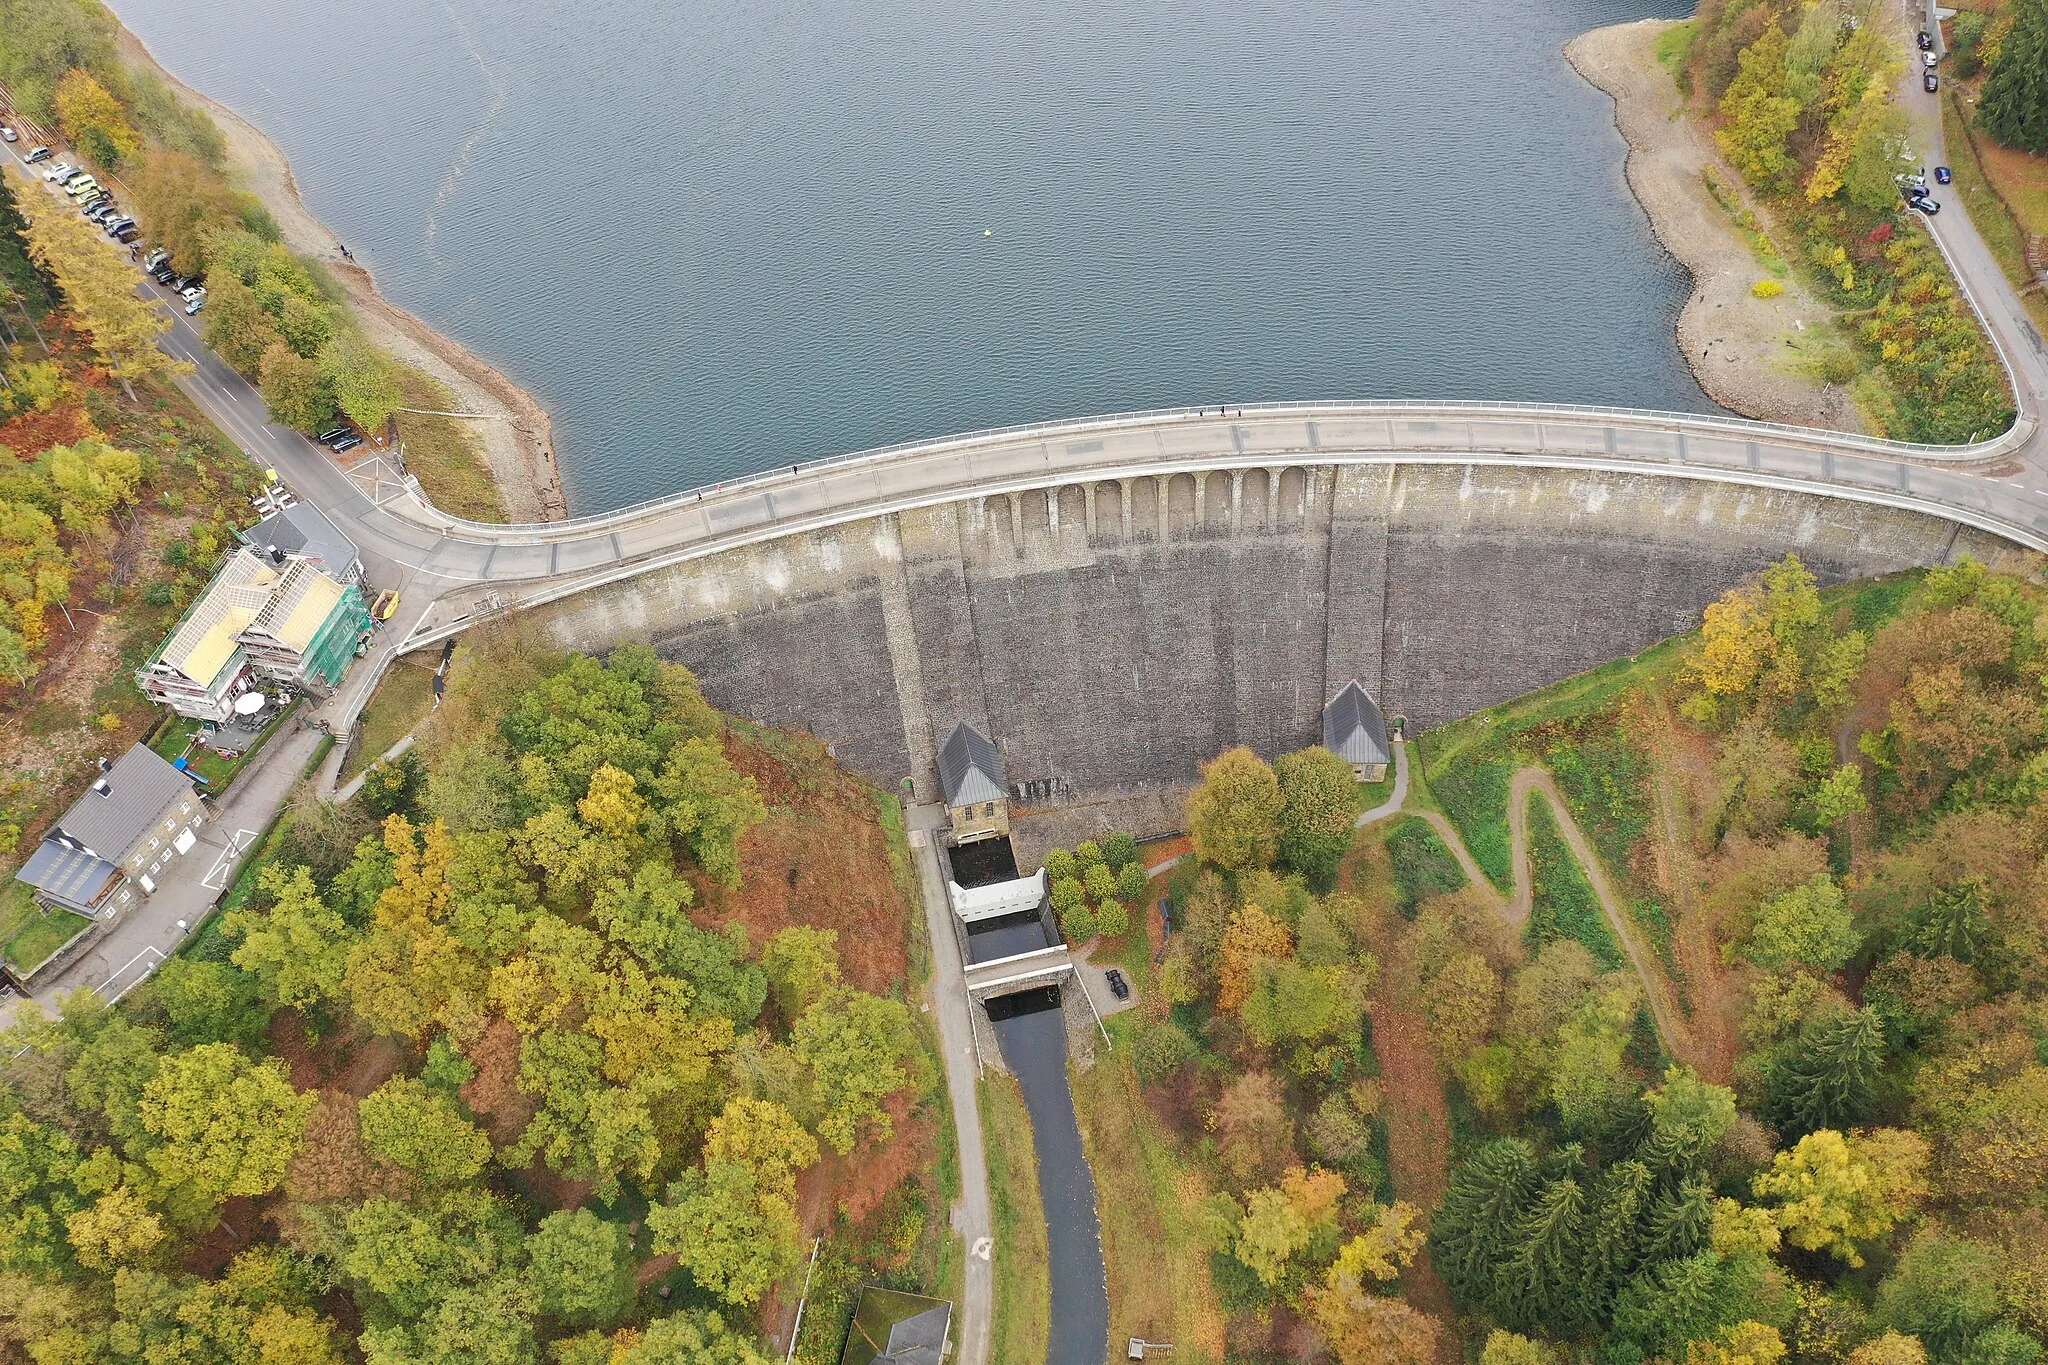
point(149, 967)
point(229, 856)
point(984, 1247)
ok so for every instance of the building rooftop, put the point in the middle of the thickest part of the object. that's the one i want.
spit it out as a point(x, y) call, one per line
point(122, 804)
point(970, 769)
point(287, 601)
point(69, 876)
point(300, 602)
point(303, 530)
point(892, 1328)
point(1354, 729)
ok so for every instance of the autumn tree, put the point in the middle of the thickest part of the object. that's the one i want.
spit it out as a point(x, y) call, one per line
point(1809, 925)
point(1253, 936)
point(1368, 1328)
point(1254, 1130)
point(185, 202)
point(1318, 804)
point(421, 1131)
point(99, 286)
point(294, 389)
point(94, 120)
point(1758, 112)
point(1234, 813)
point(1833, 1191)
point(221, 1123)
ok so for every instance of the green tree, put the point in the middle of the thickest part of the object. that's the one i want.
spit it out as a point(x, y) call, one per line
point(1833, 1192)
point(1119, 850)
point(1319, 803)
point(688, 1338)
point(421, 1131)
point(1760, 115)
point(710, 805)
point(582, 1268)
point(1111, 919)
point(1077, 923)
point(802, 964)
point(2014, 105)
point(298, 948)
point(294, 389)
point(733, 1227)
point(1100, 883)
point(1131, 882)
point(208, 1002)
point(237, 328)
point(1828, 1077)
point(1234, 814)
point(1839, 796)
point(1810, 925)
point(223, 1124)
point(362, 378)
point(854, 1045)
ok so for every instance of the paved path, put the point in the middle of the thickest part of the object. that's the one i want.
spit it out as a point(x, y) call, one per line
point(1396, 798)
point(956, 1045)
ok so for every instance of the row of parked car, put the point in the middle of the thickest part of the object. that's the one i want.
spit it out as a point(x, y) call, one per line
point(94, 200)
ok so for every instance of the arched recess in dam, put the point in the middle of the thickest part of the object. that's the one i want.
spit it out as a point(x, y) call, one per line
point(1113, 633)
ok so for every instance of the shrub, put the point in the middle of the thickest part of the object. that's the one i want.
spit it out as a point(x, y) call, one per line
point(1059, 865)
point(1120, 850)
point(1077, 924)
point(158, 594)
point(1111, 920)
point(1130, 883)
point(1161, 1049)
point(1100, 881)
point(1767, 289)
point(1087, 854)
point(1066, 894)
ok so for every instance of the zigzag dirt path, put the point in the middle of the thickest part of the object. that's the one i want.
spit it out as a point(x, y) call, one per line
point(1514, 908)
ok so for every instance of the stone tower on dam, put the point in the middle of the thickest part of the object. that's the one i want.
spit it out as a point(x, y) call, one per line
point(1112, 634)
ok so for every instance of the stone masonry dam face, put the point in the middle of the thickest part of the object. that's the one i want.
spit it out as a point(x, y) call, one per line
point(1111, 635)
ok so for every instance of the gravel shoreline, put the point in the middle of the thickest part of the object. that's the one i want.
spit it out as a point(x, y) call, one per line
point(520, 446)
point(1745, 351)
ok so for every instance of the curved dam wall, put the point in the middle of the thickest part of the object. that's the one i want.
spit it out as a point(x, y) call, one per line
point(1113, 634)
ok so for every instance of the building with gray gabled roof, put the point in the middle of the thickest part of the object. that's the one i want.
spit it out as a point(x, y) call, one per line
point(971, 779)
point(1355, 731)
point(893, 1328)
point(138, 814)
point(303, 531)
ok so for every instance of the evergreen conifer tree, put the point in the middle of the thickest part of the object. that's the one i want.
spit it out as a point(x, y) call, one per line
point(2014, 106)
point(1829, 1078)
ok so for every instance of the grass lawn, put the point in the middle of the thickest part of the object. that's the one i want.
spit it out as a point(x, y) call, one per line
point(41, 937)
point(404, 696)
point(1023, 1282)
point(1422, 866)
point(1148, 1200)
point(17, 907)
point(179, 741)
point(444, 452)
point(1563, 904)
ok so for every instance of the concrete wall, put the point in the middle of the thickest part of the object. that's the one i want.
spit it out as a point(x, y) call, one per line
point(1112, 635)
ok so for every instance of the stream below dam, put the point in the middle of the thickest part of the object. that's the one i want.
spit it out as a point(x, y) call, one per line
point(717, 238)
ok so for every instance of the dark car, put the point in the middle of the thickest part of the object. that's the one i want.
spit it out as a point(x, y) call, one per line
point(1943, 174)
point(346, 444)
point(1118, 987)
point(1926, 206)
point(1926, 41)
point(1929, 82)
point(163, 275)
point(129, 233)
point(333, 433)
point(184, 282)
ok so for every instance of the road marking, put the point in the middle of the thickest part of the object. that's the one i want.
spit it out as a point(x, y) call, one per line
point(984, 1247)
point(156, 953)
point(225, 863)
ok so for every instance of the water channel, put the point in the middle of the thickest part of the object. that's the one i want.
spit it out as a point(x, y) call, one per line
point(716, 237)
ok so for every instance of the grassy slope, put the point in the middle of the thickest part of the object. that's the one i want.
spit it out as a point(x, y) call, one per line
point(444, 452)
point(1023, 1306)
point(1158, 1261)
point(404, 696)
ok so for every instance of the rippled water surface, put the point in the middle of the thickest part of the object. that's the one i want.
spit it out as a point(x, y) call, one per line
point(720, 235)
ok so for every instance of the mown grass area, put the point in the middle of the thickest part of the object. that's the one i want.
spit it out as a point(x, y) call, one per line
point(444, 453)
point(1562, 903)
point(1422, 865)
point(1149, 1202)
point(404, 697)
point(180, 740)
point(1023, 1279)
point(41, 937)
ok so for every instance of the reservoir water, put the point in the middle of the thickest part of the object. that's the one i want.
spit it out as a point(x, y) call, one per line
point(723, 235)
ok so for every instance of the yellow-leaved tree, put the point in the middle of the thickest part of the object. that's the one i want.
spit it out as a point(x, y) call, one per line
point(99, 287)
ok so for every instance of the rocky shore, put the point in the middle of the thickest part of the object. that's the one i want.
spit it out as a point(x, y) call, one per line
point(1752, 355)
point(518, 438)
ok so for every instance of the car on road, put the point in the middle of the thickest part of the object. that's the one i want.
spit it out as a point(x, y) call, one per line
point(36, 154)
point(1926, 41)
point(1929, 60)
point(1929, 82)
point(1118, 987)
point(7, 134)
point(193, 305)
point(1943, 174)
point(1925, 205)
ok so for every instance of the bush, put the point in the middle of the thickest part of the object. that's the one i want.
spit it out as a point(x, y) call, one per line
point(1130, 883)
point(159, 594)
point(1162, 1049)
point(1087, 854)
point(1767, 289)
point(1111, 919)
point(1060, 866)
point(1423, 866)
point(1120, 850)
point(1078, 924)
point(1066, 894)
point(1100, 881)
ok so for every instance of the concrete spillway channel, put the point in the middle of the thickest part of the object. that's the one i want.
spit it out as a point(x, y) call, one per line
point(1031, 1027)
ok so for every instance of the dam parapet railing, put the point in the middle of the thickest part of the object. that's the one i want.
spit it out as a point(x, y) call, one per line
point(1420, 427)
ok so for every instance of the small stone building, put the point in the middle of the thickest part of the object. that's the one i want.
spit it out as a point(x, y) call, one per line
point(971, 778)
point(1355, 731)
point(138, 814)
point(893, 1328)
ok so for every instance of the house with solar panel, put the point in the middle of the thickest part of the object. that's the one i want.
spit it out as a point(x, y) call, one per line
point(106, 852)
point(1355, 731)
point(971, 779)
point(893, 1328)
point(265, 616)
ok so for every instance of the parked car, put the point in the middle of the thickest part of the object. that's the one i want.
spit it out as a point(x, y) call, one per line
point(78, 189)
point(115, 227)
point(7, 134)
point(193, 305)
point(1118, 987)
point(1926, 41)
point(347, 443)
point(162, 273)
point(63, 170)
point(37, 154)
point(1943, 174)
point(1926, 206)
point(155, 258)
point(1929, 82)
point(127, 234)
point(184, 282)
point(98, 207)
point(334, 433)
point(191, 292)
point(1929, 60)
